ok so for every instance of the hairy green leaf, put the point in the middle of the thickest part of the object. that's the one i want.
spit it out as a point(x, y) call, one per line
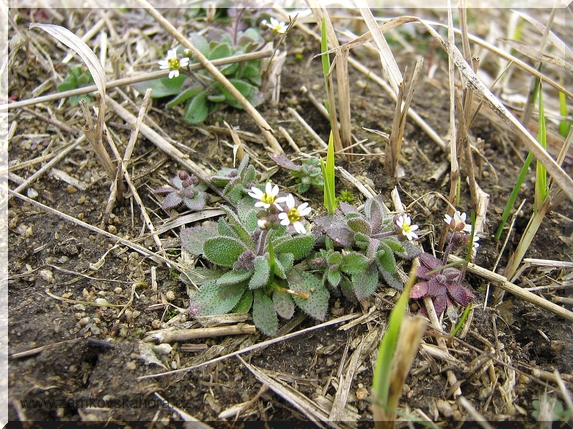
point(200, 275)
point(200, 43)
point(212, 298)
point(240, 231)
point(283, 304)
point(264, 314)
point(192, 239)
point(386, 258)
point(197, 109)
point(223, 251)
point(262, 273)
point(317, 303)
point(358, 224)
point(220, 51)
point(354, 263)
point(364, 284)
point(185, 95)
point(283, 263)
point(234, 276)
point(333, 277)
point(299, 245)
point(245, 303)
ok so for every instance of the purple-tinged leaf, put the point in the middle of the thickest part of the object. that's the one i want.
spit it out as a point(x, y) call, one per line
point(171, 200)
point(460, 294)
point(347, 208)
point(440, 304)
point(341, 235)
point(284, 162)
point(430, 261)
point(419, 290)
point(435, 288)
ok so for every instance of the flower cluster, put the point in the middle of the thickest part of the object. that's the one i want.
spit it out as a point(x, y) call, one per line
point(273, 214)
point(173, 63)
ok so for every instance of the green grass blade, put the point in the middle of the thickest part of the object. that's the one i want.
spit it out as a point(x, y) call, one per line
point(381, 382)
point(462, 321)
point(541, 187)
point(564, 124)
point(329, 177)
point(513, 196)
point(325, 62)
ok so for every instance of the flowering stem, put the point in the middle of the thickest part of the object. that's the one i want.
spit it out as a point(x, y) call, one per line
point(271, 262)
point(447, 252)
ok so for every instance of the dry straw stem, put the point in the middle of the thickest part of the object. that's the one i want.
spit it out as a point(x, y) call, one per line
point(394, 146)
point(390, 67)
point(92, 132)
point(303, 404)
point(170, 336)
point(515, 290)
point(207, 65)
point(559, 175)
point(127, 156)
point(340, 65)
point(143, 77)
point(364, 349)
point(556, 172)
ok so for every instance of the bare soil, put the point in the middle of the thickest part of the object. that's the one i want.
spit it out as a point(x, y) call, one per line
point(90, 362)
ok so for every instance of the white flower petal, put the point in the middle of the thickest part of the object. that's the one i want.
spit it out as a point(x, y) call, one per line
point(299, 227)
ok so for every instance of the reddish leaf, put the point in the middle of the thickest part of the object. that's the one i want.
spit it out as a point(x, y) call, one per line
point(419, 290)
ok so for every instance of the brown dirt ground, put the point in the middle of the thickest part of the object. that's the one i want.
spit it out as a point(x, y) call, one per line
point(90, 361)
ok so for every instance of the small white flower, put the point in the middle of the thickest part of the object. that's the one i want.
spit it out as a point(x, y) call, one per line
point(404, 223)
point(294, 214)
point(173, 63)
point(276, 26)
point(458, 222)
point(268, 197)
point(262, 223)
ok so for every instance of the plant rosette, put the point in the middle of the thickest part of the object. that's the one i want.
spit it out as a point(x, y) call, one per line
point(250, 257)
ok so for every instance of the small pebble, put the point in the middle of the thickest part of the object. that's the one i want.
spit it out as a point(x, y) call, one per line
point(170, 295)
point(32, 193)
point(445, 408)
point(71, 189)
point(163, 349)
point(131, 366)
